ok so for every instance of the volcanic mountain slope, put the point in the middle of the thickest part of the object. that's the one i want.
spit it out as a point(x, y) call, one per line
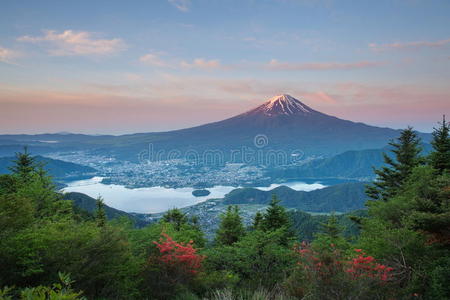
point(288, 125)
point(283, 122)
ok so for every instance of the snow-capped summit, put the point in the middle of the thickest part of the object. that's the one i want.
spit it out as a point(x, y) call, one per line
point(284, 122)
point(283, 105)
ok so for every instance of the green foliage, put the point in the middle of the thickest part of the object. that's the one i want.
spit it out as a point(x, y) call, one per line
point(257, 220)
point(231, 228)
point(16, 213)
point(58, 169)
point(406, 152)
point(332, 228)
point(259, 258)
point(439, 275)
point(275, 216)
point(410, 231)
point(440, 157)
point(176, 217)
point(42, 235)
point(85, 207)
point(5, 293)
point(171, 269)
point(58, 291)
point(100, 215)
point(98, 259)
point(24, 166)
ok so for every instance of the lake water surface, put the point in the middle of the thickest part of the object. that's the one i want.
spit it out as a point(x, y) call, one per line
point(159, 199)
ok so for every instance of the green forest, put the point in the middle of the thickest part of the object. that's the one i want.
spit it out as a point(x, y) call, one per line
point(397, 249)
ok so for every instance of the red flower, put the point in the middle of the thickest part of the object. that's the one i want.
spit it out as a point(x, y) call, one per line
point(183, 255)
point(361, 267)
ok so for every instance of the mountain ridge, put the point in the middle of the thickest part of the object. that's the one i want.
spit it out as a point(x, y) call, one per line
point(286, 123)
point(342, 197)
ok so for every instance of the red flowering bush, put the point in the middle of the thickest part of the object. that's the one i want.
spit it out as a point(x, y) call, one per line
point(171, 267)
point(179, 255)
point(330, 273)
point(364, 266)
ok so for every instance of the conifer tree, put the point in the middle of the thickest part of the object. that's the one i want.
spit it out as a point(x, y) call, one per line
point(440, 157)
point(100, 214)
point(257, 220)
point(331, 228)
point(231, 228)
point(406, 150)
point(24, 165)
point(275, 217)
point(175, 217)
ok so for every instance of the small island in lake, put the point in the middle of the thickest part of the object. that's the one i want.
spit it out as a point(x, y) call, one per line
point(200, 193)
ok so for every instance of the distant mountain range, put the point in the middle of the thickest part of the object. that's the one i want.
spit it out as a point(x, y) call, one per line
point(282, 123)
point(343, 197)
point(58, 169)
point(355, 165)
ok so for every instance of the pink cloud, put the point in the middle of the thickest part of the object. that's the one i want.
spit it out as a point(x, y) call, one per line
point(201, 63)
point(181, 5)
point(295, 66)
point(175, 101)
point(413, 45)
point(390, 105)
point(320, 96)
point(153, 59)
point(8, 55)
point(71, 43)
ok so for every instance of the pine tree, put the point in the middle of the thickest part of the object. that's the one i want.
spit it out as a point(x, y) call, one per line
point(390, 178)
point(24, 165)
point(175, 217)
point(275, 217)
point(100, 214)
point(231, 228)
point(257, 220)
point(440, 157)
point(331, 228)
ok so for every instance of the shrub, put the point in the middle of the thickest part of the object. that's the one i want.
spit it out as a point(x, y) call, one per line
point(172, 268)
point(332, 274)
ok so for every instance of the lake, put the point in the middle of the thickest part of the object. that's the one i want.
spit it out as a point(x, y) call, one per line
point(159, 199)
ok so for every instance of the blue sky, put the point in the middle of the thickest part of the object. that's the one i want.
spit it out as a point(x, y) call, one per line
point(128, 66)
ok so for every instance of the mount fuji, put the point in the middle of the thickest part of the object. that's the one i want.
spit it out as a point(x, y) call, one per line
point(284, 122)
point(283, 105)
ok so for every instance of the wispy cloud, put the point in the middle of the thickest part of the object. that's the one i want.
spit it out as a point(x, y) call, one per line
point(153, 59)
point(411, 45)
point(320, 96)
point(295, 66)
point(181, 5)
point(8, 55)
point(76, 43)
point(201, 63)
point(156, 59)
point(175, 101)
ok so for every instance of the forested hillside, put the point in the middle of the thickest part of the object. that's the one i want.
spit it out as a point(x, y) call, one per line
point(398, 249)
point(58, 169)
point(350, 165)
point(89, 205)
point(341, 197)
